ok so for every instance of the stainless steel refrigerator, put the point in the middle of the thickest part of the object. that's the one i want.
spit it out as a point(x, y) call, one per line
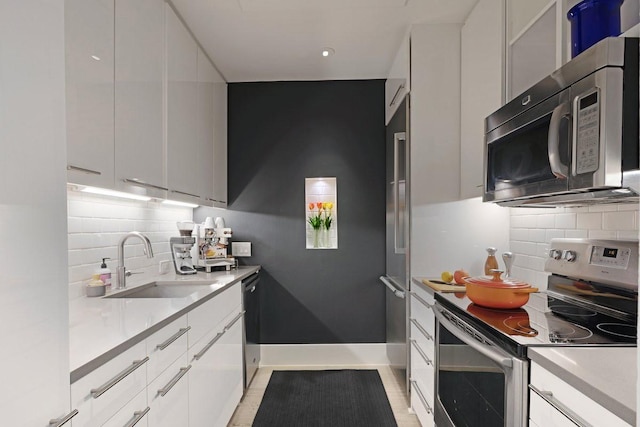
point(396, 278)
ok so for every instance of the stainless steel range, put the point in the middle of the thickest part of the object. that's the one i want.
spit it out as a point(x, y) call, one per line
point(481, 354)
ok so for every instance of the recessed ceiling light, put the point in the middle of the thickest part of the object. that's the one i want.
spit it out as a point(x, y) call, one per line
point(327, 51)
point(97, 58)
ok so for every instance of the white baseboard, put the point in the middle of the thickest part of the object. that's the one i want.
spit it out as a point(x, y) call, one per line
point(323, 354)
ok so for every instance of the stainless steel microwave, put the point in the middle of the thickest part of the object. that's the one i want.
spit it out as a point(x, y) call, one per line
point(571, 139)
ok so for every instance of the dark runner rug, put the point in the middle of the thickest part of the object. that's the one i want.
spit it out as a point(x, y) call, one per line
point(353, 398)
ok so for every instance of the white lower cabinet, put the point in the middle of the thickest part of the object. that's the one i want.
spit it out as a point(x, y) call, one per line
point(162, 381)
point(555, 403)
point(102, 393)
point(168, 396)
point(135, 413)
point(422, 333)
point(215, 379)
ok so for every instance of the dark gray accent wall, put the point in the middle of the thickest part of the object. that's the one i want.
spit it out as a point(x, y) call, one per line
point(279, 134)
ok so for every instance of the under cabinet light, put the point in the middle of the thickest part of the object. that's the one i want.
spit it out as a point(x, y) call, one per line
point(176, 203)
point(105, 192)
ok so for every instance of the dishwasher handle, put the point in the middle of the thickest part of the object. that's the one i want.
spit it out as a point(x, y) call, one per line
point(249, 284)
point(397, 292)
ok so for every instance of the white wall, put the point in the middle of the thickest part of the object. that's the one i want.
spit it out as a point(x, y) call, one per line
point(533, 228)
point(96, 224)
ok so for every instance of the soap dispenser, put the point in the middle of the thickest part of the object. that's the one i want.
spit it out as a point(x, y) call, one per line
point(105, 273)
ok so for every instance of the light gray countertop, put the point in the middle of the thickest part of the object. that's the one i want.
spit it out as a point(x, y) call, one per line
point(102, 328)
point(607, 375)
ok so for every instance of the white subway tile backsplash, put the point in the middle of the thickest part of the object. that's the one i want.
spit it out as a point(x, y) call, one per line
point(602, 234)
point(590, 221)
point(565, 221)
point(576, 234)
point(96, 224)
point(609, 221)
point(625, 220)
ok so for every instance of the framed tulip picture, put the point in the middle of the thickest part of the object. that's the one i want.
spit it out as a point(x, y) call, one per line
point(321, 213)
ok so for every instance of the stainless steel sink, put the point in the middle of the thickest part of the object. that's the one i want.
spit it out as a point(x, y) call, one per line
point(161, 290)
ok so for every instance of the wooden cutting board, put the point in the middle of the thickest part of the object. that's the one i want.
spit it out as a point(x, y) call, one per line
point(440, 286)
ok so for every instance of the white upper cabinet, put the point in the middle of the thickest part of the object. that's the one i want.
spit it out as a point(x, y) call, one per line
point(89, 56)
point(139, 63)
point(481, 88)
point(220, 143)
point(182, 110)
point(397, 85)
point(539, 39)
point(207, 77)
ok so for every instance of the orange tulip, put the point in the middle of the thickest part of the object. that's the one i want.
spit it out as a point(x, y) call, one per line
point(311, 206)
point(319, 205)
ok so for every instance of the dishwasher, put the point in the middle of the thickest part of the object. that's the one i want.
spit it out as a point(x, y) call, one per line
point(251, 347)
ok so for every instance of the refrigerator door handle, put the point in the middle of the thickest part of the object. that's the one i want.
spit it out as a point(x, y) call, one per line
point(399, 186)
point(397, 292)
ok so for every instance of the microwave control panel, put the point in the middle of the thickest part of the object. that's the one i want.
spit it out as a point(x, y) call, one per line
point(587, 147)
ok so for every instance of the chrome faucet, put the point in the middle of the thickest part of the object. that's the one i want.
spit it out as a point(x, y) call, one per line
point(121, 271)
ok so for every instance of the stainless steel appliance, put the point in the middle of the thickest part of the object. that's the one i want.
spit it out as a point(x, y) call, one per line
point(481, 353)
point(211, 244)
point(397, 241)
point(251, 347)
point(181, 254)
point(571, 139)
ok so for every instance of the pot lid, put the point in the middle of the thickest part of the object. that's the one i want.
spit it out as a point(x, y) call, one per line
point(495, 281)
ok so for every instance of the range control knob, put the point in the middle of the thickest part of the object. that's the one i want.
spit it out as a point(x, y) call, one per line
point(555, 254)
point(570, 256)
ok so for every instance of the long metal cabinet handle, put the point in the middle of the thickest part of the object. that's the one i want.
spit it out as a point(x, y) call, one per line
point(421, 329)
point(472, 342)
point(174, 337)
point(547, 396)
point(234, 320)
point(557, 168)
point(424, 356)
point(61, 421)
point(421, 396)
point(210, 344)
point(397, 292)
point(83, 170)
point(185, 194)
point(144, 184)
point(164, 390)
point(395, 95)
point(397, 139)
point(421, 300)
point(97, 392)
point(137, 417)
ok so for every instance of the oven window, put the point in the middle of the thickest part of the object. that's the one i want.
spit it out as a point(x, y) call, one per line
point(522, 157)
point(471, 387)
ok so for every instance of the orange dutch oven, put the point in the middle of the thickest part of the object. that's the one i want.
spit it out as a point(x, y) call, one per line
point(494, 292)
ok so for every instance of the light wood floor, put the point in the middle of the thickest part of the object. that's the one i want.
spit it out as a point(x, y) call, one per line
point(246, 411)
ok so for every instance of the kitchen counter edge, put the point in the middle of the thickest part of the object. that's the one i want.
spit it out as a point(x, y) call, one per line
point(105, 357)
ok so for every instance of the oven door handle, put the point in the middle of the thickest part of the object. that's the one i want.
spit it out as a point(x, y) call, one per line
point(502, 360)
point(560, 170)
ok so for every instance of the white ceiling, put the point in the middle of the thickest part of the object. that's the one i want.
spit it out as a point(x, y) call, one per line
point(267, 40)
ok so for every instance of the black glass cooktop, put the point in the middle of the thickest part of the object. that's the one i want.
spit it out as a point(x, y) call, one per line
point(586, 316)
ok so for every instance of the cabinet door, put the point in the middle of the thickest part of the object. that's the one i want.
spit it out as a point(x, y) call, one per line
point(33, 301)
point(207, 77)
point(139, 147)
point(89, 55)
point(135, 412)
point(182, 111)
point(481, 89)
point(220, 143)
point(397, 84)
point(215, 380)
point(168, 396)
